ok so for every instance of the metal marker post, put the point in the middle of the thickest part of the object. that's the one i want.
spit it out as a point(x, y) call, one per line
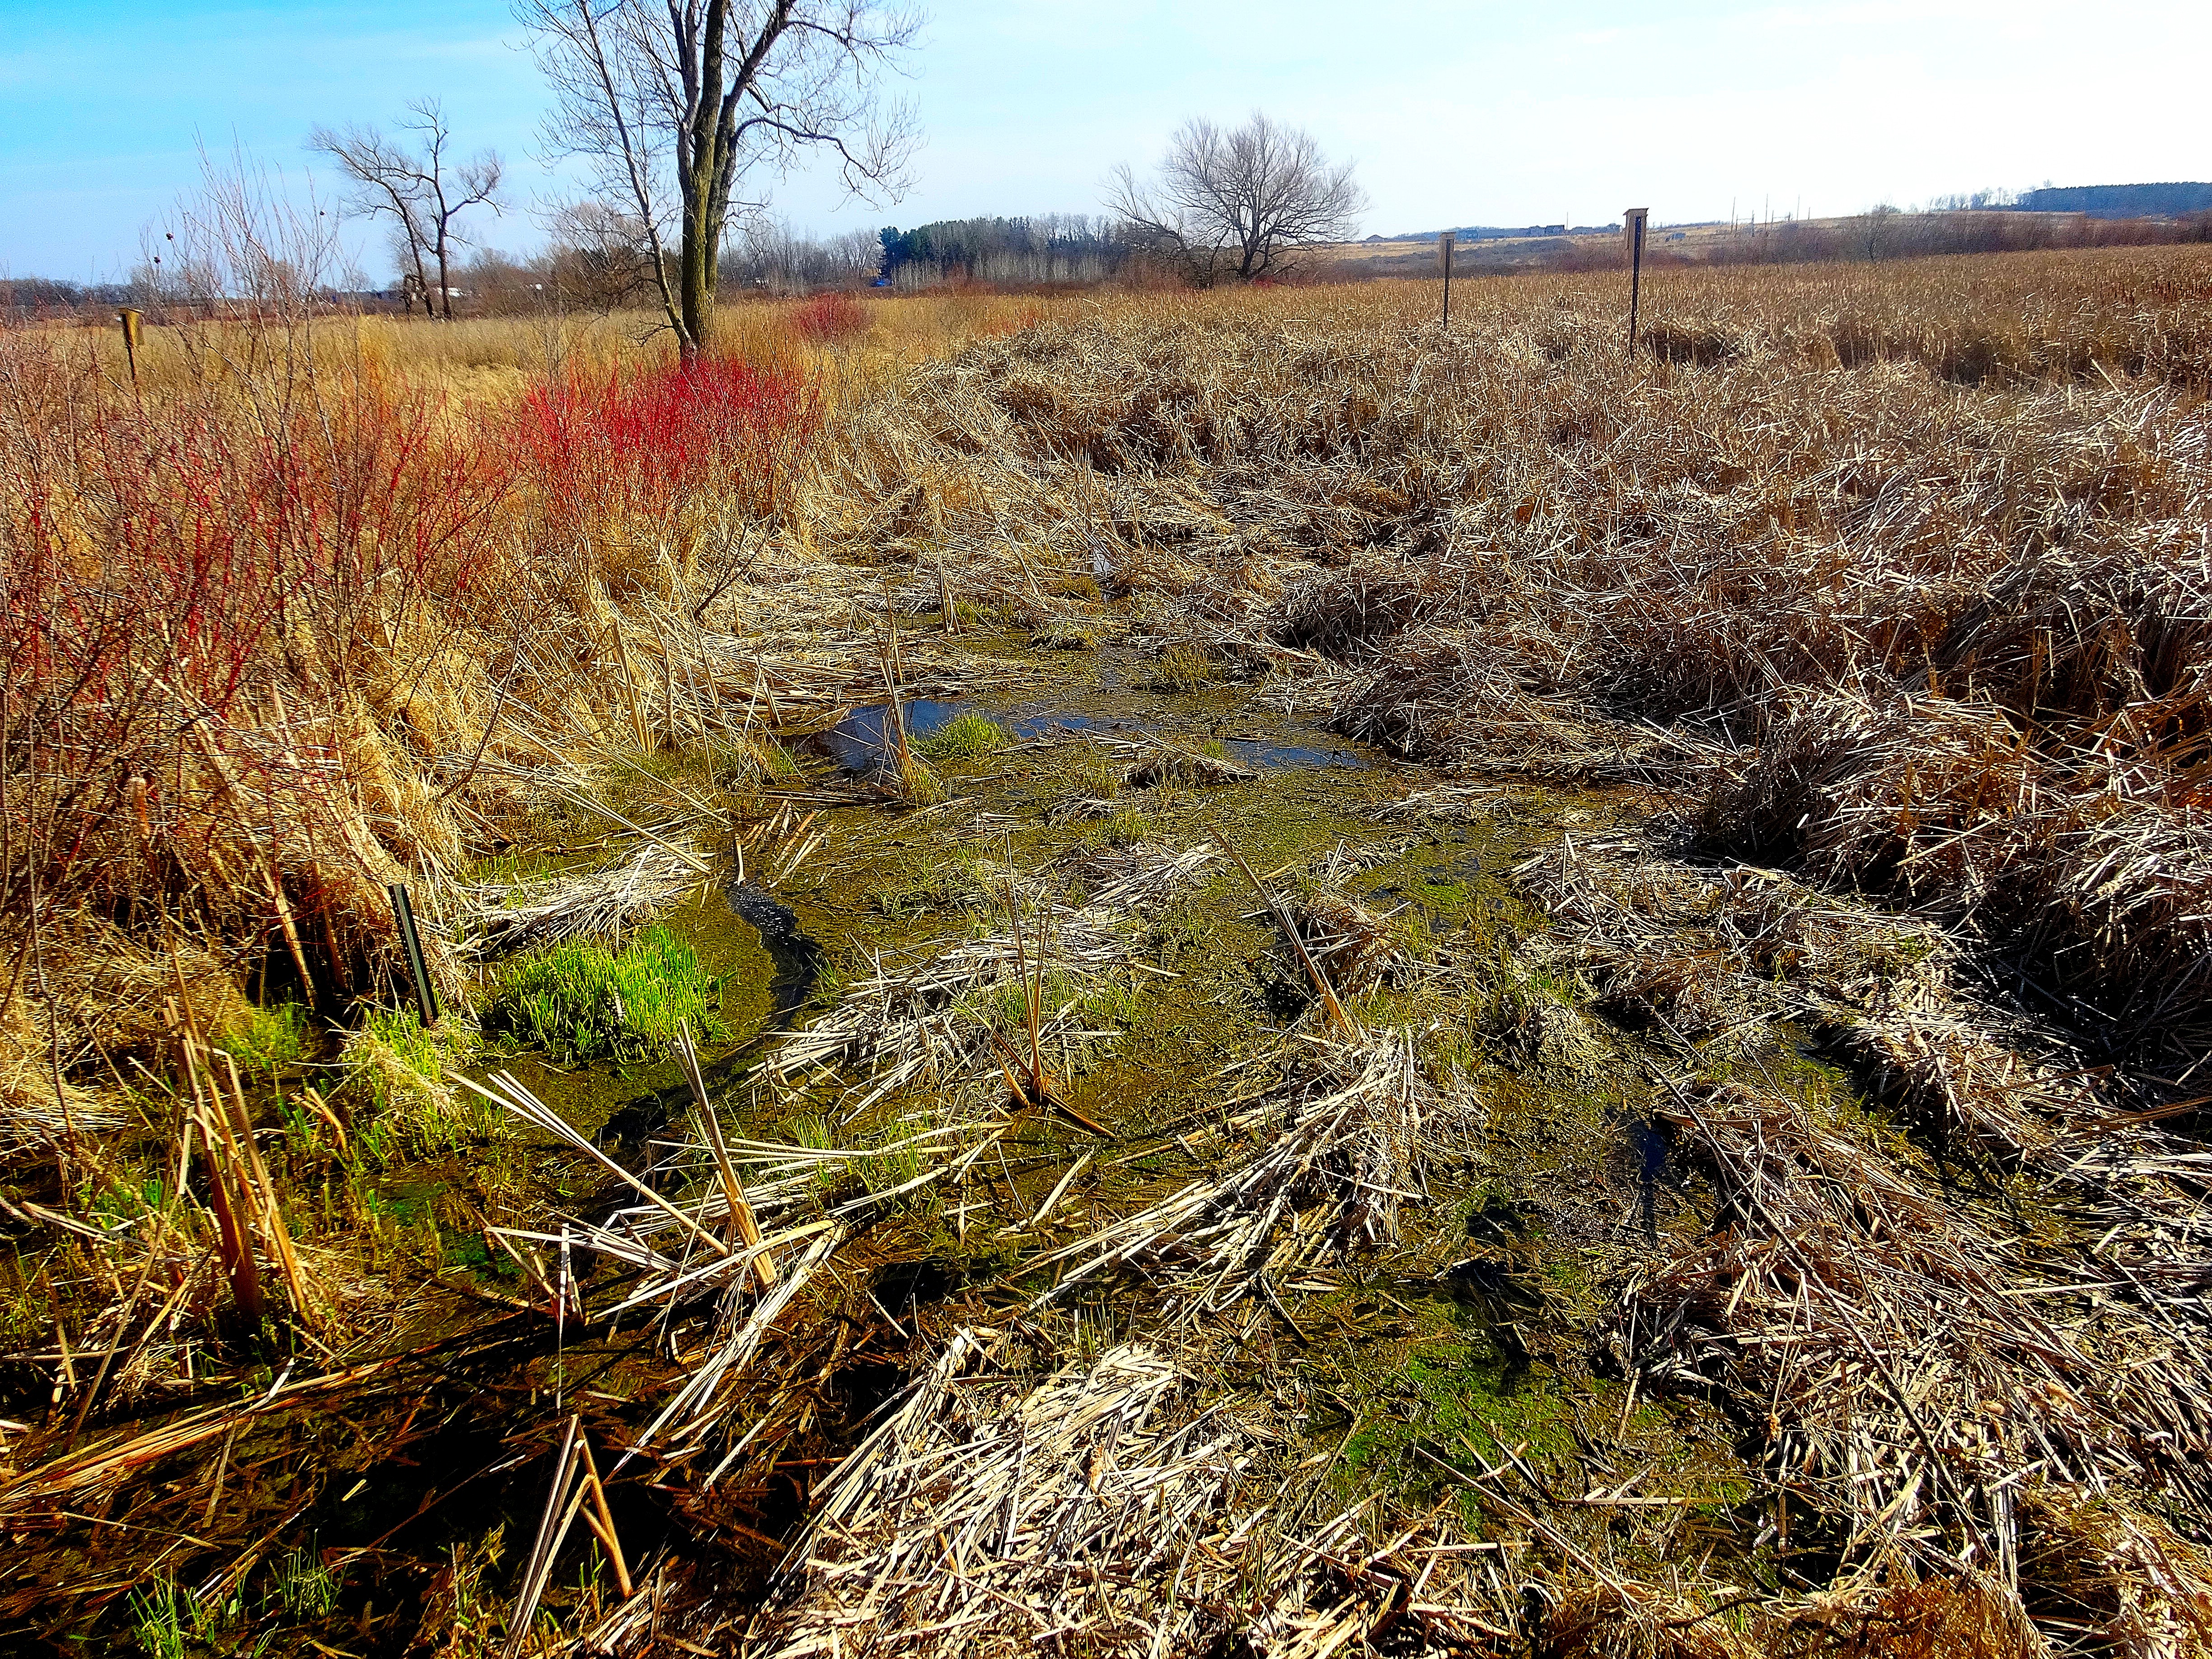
point(426, 998)
point(1633, 227)
point(1445, 242)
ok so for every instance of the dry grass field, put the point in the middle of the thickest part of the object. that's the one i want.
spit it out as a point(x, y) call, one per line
point(1200, 973)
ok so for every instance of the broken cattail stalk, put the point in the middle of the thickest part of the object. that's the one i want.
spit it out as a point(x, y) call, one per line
point(710, 1132)
point(553, 1524)
point(946, 609)
point(265, 1191)
point(1343, 1021)
point(225, 1186)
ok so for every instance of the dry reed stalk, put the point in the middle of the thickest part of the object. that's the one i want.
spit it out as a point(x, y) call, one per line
point(710, 1128)
point(576, 1489)
point(78, 1476)
point(1158, 760)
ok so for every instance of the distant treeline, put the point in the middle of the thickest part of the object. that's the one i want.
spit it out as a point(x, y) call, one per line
point(599, 262)
point(31, 295)
point(777, 259)
point(1053, 247)
point(1886, 233)
point(2121, 201)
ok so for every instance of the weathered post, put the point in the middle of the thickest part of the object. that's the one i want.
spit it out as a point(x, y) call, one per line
point(129, 321)
point(1445, 242)
point(1633, 228)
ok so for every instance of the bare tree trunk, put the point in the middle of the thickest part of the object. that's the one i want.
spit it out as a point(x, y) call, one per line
point(695, 259)
point(695, 288)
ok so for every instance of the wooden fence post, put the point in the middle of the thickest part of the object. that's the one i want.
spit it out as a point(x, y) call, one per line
point(129, 320)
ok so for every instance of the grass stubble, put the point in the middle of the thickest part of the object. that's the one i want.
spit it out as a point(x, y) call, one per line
point(1698, 1156)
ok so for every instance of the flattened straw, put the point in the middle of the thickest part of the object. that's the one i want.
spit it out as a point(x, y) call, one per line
point(506, 1092)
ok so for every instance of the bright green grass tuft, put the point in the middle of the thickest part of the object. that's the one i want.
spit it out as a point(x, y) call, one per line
point(584, 1002)
point(412, 1108)
point(964, 737)
point(262, 1039)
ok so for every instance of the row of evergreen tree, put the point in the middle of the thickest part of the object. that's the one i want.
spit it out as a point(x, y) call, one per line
point(1052, 247)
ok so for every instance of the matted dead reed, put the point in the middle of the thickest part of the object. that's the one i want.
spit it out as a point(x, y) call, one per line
point(1328, 1158)
point(1550, 560)
point(924, 1019)
point(1937, 1383)
point(1105, 1508)
point(506, 916)
point(1916, 1392)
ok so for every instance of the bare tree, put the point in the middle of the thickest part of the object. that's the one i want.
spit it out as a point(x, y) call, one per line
point(1237, 203)
point(709, 91)
point(422, 189)
point(1877, 230)
point(600, 258)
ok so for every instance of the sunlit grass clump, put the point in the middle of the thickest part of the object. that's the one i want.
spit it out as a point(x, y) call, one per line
point(400, 1078)
point(584, 1002)
point(265, 1039)
point(964, 737)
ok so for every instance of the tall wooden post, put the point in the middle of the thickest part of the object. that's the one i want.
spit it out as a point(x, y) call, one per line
point(129, 320)
point(1633, 227)
point(1445, 242)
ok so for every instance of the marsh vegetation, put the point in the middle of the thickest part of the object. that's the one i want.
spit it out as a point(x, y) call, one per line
point(1198, 973)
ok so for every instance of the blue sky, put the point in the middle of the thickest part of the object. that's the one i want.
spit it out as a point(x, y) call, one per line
point(1456, 113)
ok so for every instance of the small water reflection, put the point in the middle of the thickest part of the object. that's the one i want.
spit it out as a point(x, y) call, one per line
point(857, 742)
point(1647, 1143)
point(1285, 756)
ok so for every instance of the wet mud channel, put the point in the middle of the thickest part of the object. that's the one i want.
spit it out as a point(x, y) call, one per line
point(1009, 1050)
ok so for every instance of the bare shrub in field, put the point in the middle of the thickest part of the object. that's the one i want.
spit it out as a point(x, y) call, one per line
point(221, 606)
point(828, 319)
point(630, 481)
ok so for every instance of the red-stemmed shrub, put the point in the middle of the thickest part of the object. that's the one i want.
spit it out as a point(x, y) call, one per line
point(214, 596)
point(647, 443)
point(829, 319)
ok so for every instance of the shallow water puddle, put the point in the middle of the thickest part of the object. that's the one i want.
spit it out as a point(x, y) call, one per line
point(859, 743)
